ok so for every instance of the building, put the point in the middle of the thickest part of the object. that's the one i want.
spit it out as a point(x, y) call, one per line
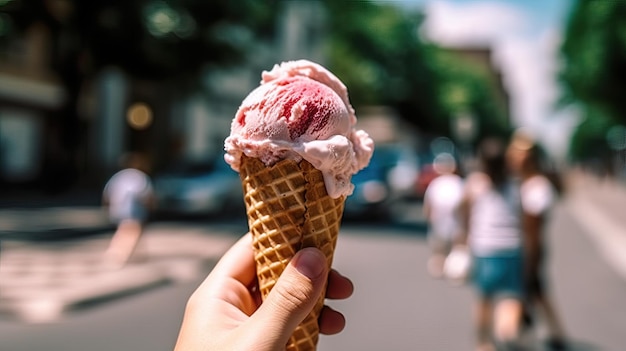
point(117, 113)
point(31, 96)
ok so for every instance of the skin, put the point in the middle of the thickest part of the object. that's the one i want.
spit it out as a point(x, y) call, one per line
point(225, 312)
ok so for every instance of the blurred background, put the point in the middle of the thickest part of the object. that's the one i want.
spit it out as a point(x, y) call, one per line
point(83, 83)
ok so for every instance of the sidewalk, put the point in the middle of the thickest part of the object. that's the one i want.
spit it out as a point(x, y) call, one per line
point(39, 281)
point(52, 223)
point(32, 215)
point(599, 205)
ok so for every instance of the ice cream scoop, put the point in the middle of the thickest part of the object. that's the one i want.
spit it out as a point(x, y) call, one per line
point(301, 111)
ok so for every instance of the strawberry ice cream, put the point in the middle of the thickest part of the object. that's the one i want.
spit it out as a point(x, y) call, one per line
point(301, 111)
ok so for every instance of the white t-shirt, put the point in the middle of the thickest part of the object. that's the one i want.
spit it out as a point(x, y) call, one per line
point(128, 192)
point(494, 225)
point(443, 196)
point(537, 195)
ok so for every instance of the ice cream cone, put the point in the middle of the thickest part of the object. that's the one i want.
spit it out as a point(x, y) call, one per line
point(288, 209)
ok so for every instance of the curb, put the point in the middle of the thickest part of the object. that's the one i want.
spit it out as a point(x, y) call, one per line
point(53, 223)
point(53, 234)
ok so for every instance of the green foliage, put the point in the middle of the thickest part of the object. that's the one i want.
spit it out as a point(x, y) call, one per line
point(594, 70)
point(378, 53)
point(589, 139)
point(375, 48)
point(467, 87)
point(152, 39)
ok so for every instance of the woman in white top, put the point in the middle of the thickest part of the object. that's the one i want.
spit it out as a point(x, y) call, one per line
point(491, 229)
point(538, 196)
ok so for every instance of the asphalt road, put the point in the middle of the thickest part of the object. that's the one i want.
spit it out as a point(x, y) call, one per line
point(396, 306)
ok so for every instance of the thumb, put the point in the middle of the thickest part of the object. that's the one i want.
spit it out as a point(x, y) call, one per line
point(293, 296)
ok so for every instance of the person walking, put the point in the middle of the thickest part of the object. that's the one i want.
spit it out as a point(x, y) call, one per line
point(491, 229)
point(441, 202)
point(129, 197)
point(538, 195)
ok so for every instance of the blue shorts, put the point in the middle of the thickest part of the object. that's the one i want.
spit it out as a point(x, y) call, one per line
point(501, 275)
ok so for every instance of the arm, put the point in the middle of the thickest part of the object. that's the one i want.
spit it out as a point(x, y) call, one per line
point(537, 198)
point(465, 209)
point(426, 210)
point(532, 225)
point(105, 198)
point(464, 220)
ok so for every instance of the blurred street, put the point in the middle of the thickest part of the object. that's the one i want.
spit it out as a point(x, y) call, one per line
point(396, 305)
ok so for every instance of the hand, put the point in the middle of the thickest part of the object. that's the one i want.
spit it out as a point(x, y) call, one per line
point(225, 312)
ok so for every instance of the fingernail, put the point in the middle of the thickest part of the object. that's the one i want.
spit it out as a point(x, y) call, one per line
point(310, 262)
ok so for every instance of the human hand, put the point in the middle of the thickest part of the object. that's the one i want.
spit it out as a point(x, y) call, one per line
point(225, 313)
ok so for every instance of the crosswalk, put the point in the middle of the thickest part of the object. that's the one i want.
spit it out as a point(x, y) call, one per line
point(41, 281)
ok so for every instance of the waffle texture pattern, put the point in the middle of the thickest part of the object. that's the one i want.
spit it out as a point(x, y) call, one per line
point(288, 209)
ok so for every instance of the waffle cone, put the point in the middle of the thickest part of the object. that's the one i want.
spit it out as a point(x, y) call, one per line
point(288, 209)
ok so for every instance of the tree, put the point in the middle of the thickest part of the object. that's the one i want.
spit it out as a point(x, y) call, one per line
point(594, 71)
point(466, 87)
point(162, 41)
point(377, 50)
point(379, 55)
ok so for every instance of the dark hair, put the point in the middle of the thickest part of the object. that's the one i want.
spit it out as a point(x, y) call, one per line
point(539, 159)
point(491, 155)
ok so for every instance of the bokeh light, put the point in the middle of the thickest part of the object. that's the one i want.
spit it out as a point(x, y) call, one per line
point(139, 116)
point(162, 20)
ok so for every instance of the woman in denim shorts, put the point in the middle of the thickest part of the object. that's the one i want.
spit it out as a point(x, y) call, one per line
point(491, 229)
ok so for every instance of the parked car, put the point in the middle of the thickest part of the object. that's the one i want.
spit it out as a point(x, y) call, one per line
point(389, 178)
point(198, 190)
point(371, 192)
point(426, 175)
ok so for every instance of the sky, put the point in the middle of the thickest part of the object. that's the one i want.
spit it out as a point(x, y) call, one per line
point(525, 36)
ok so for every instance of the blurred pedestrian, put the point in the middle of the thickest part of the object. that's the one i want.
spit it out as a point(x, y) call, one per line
point(538, 195)
point(129, 197)
point(491, 229)
point(441, 202)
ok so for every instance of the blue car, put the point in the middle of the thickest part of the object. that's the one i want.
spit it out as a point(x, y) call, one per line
point(198, 190)
point(388, 178)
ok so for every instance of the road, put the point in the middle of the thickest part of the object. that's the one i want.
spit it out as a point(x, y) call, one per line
point(396, 306)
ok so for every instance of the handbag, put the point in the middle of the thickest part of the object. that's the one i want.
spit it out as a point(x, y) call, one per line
point(457, 265)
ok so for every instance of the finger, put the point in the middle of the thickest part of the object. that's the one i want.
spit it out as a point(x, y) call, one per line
point(293, 296)
point(339, 287)
point(238, 262)
point(330, 321)
point(228, 282)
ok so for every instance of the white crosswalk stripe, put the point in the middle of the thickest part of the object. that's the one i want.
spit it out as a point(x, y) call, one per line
point(39, 281)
